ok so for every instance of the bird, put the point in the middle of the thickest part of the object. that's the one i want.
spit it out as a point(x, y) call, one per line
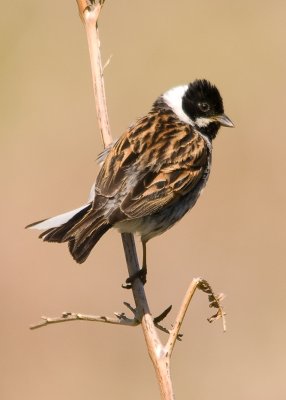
point(151, 176)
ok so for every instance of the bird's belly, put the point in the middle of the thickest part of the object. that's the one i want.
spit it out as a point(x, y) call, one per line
point(157, 223)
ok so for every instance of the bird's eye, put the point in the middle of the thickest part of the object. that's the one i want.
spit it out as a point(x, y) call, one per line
point(204, 107)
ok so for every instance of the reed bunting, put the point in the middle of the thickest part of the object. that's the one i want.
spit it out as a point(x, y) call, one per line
point(151, 176)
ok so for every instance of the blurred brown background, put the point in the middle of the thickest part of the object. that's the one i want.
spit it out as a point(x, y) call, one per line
point(235, 236)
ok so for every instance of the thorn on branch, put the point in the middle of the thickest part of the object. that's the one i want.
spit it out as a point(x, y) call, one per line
point(66, 314)
point(132, 309)
point(165, 330)
point(106, 63)
point(162, 315)
point(160, 318)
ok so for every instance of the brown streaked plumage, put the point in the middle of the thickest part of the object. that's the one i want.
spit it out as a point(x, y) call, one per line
point(151, 176)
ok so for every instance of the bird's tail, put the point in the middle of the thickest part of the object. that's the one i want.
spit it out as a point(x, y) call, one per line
point(81, 228)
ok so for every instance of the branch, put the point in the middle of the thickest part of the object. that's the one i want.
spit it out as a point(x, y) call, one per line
point(181, 315)
point(215, 301)
point(89, 13)
point(68, 316)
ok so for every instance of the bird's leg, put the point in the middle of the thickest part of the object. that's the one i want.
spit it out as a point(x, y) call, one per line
point(143, 270)
point(141, 274)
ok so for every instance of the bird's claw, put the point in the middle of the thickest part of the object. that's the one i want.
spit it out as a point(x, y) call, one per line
point(141, 274)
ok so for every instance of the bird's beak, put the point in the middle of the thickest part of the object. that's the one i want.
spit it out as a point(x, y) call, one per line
point(224, 120)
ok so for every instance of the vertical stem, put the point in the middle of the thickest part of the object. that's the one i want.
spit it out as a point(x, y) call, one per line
point(89, 14)
point(91, 27)
point(159, 358)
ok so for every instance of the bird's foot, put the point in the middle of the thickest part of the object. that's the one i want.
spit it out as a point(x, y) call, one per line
point(141, 274)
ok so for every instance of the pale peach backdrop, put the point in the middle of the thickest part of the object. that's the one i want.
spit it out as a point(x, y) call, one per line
point(235, 236)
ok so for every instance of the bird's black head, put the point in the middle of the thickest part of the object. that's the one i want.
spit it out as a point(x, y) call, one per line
point(202, 102)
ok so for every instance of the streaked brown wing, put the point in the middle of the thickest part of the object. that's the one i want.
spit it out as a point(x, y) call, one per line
point(152, 164)
point(160, 189)
point(114, 171)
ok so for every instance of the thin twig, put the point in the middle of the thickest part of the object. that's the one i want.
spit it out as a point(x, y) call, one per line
point(68, 316)
point(181, 315)
point(215, 301)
